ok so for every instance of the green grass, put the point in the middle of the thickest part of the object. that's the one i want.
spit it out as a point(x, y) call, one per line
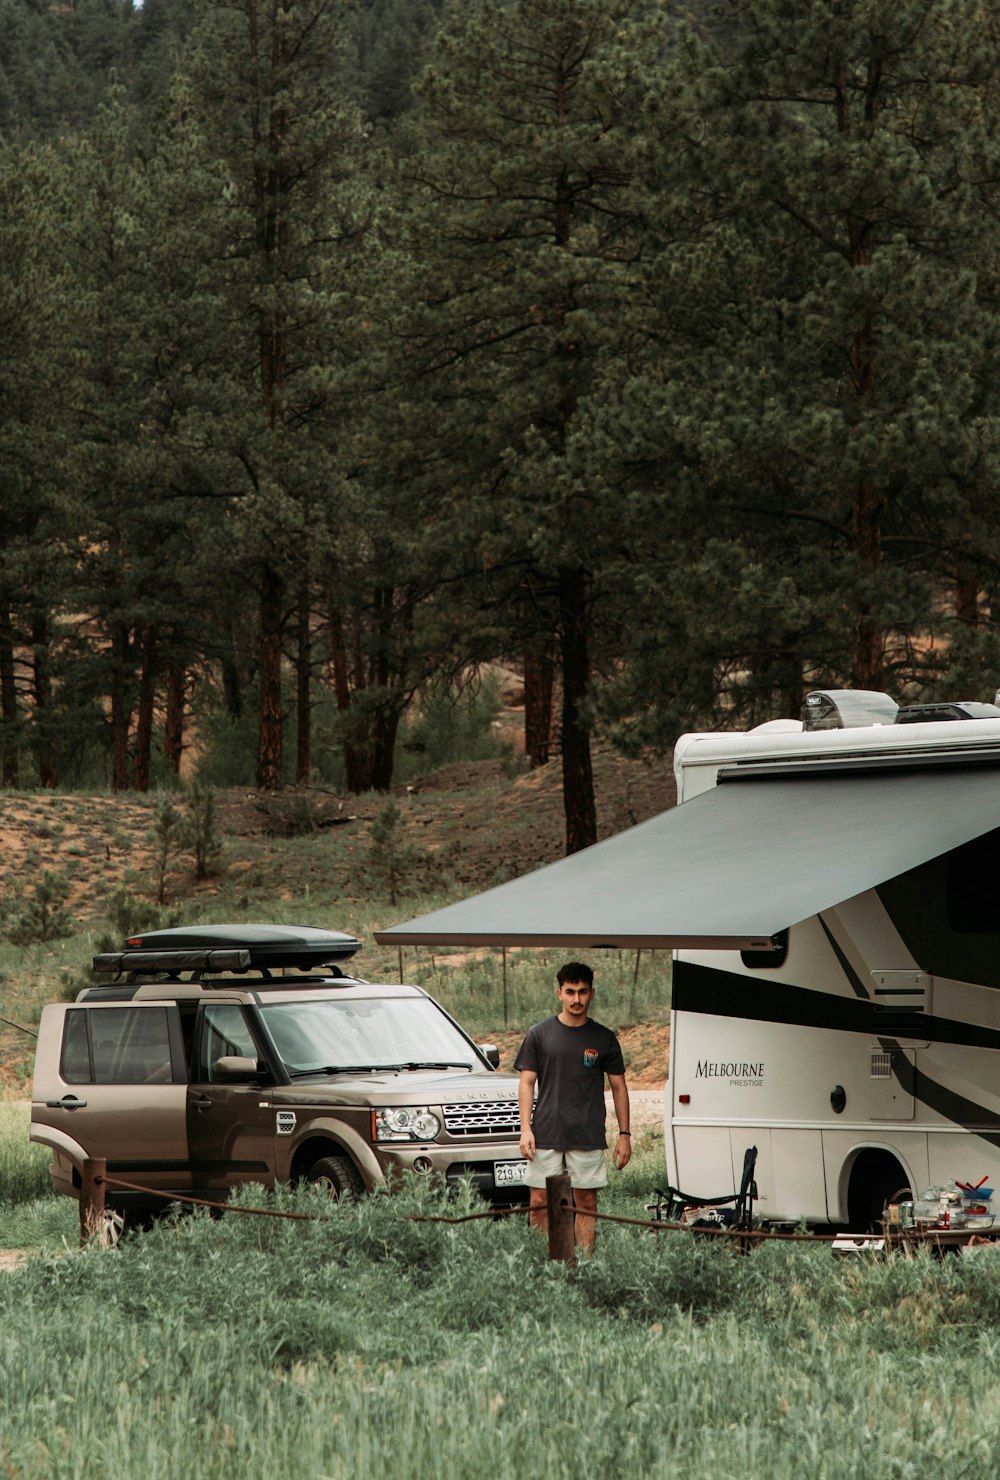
point(24, 1167)
point(367, 1345)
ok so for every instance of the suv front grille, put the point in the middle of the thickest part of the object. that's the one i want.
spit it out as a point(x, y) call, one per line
point(490, 1118)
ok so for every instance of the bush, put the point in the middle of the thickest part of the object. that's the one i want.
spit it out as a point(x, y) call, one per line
point(392, 861)
point(646, 1277)
point(41, 915)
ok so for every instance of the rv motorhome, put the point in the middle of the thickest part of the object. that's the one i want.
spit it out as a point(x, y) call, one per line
point(831, 890)
point(860, 1053)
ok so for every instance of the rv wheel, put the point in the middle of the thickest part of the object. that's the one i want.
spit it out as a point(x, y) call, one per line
point(877, 1178)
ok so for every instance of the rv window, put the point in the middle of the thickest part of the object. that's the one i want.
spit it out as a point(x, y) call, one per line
point(974, 886)
point(947, 912)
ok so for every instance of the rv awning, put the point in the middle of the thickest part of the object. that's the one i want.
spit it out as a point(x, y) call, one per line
point(765, 848)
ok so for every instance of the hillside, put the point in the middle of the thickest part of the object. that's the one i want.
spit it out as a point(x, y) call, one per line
point(303, 854)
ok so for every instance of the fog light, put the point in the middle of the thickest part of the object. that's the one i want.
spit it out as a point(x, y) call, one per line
point(422, 1164)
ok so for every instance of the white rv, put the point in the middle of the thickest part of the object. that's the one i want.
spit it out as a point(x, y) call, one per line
point(831, 890)
point(859, 1052)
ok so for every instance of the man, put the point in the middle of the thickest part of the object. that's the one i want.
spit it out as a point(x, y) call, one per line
point(567, 1056)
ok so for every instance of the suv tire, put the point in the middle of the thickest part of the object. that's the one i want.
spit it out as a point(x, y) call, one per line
point(339, 1176)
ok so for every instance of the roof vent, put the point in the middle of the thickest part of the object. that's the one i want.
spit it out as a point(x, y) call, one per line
point(917, 714)
point(847, 709)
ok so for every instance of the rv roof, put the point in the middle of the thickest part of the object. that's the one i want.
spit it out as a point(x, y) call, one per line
point(705, 747)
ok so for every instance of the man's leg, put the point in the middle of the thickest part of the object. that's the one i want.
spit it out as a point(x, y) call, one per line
point(538, 1209)
point(586, 1228)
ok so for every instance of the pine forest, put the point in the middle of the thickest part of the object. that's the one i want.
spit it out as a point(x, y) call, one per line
point(349, 348)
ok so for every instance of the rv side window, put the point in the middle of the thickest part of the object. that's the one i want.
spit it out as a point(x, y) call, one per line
point(755, 960)
point(974, 886)
point(947, 912)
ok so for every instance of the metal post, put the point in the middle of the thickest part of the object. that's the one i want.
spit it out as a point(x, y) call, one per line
point(562, 1220)
point(505, 986)
point(635, 978)
point(400, 948)
point(94, 1172)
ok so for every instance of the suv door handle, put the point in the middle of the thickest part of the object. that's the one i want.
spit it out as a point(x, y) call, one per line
point(201, 1104)
point(69, 1102)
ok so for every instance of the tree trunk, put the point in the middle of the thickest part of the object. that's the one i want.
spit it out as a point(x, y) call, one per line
point(303, 709)
point(8, 700)
point(42, 692)
point(269, 714)
point(966, 595)
point(173, 730)
point(538, 676)
point(356, 772)
point(383, 748)
point(577, 769)
point(121, 709)
point(144, 717)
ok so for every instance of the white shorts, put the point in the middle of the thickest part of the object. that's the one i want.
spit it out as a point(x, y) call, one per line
point(587, 1169)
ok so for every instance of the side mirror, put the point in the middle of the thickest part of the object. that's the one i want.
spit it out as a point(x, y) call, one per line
point(490, 1053)
point(233, 1066)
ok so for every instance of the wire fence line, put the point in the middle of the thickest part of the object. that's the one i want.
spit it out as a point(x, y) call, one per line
point(92, 1211)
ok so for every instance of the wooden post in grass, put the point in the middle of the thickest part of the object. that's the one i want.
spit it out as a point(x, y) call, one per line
point(562, 1219)
point(94, 1172)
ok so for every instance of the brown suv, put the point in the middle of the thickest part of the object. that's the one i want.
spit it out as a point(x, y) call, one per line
point(219, 1055)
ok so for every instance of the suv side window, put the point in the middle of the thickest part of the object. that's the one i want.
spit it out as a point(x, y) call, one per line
point(117, 1045)
point(224, 1031)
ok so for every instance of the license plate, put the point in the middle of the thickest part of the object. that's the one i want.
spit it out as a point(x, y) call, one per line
point(510, 1173)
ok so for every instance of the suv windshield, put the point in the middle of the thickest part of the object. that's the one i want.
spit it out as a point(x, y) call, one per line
point(369, 1033)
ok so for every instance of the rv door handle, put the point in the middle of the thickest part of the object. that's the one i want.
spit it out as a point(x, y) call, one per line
point(201, 1104)
point(69, 1103)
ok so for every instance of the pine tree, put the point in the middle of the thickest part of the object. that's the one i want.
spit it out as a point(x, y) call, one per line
point(266, 85)
point(823, 290)
point(526, 238)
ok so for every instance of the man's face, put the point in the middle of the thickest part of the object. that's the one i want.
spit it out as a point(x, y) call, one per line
point(576, 998)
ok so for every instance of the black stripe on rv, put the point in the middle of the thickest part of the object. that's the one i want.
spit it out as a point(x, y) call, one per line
point(723, 994)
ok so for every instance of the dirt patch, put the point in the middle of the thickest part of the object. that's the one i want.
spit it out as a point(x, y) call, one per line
point(11, 1258)
point(472, 824)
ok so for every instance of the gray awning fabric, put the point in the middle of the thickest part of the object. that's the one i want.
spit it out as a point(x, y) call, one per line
point(732, 867)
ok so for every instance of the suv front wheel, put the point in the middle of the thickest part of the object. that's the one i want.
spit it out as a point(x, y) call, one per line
point(339, 1176)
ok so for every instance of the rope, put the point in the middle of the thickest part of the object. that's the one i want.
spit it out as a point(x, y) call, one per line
point(750, 1234)
point(202, 1202)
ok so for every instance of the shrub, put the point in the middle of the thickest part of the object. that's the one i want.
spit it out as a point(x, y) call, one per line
point(645, 1278)
point(391, 860)
point(41, 915)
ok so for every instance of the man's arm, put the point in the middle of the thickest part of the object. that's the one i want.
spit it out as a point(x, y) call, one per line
point(619, 1094)
point(525, 1105)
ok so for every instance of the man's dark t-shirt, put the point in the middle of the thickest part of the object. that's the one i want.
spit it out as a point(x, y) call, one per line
point(571, 1064)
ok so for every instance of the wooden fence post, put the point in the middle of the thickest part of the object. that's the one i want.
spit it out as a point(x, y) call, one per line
point(562, 1219)
point(92, 1192)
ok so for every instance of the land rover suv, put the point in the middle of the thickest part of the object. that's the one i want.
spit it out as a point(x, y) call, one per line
point(212, 1056)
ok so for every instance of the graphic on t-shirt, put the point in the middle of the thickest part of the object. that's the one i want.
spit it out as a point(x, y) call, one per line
point(590, 1057)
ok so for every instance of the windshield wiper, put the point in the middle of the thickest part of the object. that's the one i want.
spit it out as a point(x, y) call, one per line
point(337, 1069)
point(378, 1068)
point(438, 1064)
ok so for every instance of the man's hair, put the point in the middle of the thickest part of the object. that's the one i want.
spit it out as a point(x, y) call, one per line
point(575, 971)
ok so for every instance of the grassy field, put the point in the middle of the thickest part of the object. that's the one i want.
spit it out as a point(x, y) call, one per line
point(365, 1344)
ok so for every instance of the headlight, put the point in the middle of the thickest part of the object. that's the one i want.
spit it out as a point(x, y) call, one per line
point(406, 1123)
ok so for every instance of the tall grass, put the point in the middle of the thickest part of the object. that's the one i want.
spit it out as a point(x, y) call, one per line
point(24, 1167)
point(488, 994)
point(366, 1345)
